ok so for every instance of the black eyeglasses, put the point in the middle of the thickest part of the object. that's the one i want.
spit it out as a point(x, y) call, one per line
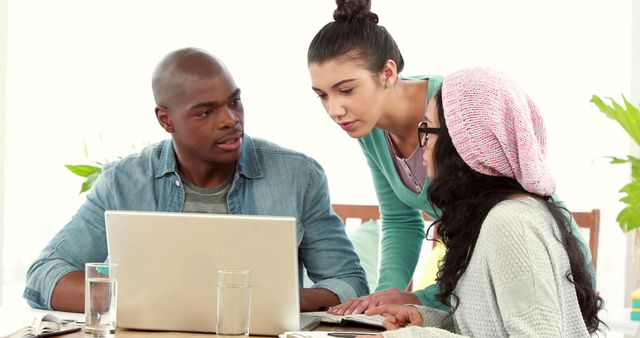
point(424, 131)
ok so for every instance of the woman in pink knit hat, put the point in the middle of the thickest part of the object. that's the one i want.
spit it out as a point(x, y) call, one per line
point(355, 68)
point(512, 266)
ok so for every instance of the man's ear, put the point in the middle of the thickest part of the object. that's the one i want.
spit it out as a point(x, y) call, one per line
point(162, 115)
point(389, 73)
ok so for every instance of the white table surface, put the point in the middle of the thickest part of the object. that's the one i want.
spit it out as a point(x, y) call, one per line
point(14, 317)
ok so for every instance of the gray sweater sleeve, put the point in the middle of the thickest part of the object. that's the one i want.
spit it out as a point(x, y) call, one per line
point(420, 332)
point(437, 324)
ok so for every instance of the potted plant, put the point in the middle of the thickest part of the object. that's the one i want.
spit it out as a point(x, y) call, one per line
point(89, 171)
point(628, 117)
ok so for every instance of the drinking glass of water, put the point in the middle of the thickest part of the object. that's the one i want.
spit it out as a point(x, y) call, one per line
point(100, 299)
point(233, 303)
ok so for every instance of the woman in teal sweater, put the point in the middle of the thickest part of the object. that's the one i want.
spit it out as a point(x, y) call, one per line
point(354, 65)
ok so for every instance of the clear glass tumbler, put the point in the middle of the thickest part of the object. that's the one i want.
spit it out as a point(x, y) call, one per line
point(100, 300)
point(233, 302)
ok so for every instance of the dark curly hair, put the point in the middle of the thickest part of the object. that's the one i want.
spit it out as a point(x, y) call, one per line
point(465, 197)
point(355, 35)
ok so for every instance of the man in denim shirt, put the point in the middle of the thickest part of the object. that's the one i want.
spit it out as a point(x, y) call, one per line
point(209, 165)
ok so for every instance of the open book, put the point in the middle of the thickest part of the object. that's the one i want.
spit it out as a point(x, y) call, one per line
point(347, 320)
point(45, 326)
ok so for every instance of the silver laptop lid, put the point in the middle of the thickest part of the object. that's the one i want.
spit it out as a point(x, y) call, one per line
point(168, 264)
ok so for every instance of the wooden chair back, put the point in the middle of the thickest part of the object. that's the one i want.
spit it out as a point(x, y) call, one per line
point(586, 219)
point(590, 220)
point(365, 213)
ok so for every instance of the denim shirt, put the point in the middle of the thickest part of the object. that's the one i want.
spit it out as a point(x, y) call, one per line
point(268, 180)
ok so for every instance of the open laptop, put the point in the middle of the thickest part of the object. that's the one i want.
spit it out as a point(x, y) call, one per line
point(168, 265)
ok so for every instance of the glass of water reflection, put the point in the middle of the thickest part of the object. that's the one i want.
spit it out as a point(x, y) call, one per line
point(100, 299)
point(233, 302)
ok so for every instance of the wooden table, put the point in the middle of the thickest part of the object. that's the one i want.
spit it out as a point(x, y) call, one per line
point(10, 316)
point(123, 333)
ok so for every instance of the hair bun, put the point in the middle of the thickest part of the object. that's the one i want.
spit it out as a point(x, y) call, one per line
point(354, 10)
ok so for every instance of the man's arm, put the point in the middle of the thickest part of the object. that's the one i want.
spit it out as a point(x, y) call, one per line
point(313, 299)
point(68, 294)
point(82, 240)
point(325, 251)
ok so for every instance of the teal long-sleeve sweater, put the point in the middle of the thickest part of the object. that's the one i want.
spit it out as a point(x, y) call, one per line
point(400, 208)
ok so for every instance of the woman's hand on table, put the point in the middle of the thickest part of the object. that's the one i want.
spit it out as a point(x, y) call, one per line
point(361, 304)
point(397, 316)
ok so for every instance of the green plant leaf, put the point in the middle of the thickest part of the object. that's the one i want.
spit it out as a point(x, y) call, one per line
point(88, 183)
point(635, 167)
point(628, 116)
point(629, 217)
point(618, 160)
point(84, 170)
point(635, 164)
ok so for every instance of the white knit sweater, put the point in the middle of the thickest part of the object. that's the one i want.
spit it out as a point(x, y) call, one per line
point(515, 284)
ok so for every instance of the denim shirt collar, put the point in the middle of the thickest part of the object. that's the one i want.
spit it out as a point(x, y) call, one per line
point(248, 164)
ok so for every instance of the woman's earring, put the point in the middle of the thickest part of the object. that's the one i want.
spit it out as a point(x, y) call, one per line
point(386, 85)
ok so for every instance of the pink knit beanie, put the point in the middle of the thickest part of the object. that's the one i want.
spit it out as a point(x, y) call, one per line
point(496, 128)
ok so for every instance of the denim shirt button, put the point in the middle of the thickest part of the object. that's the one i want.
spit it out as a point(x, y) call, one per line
point(177, 183)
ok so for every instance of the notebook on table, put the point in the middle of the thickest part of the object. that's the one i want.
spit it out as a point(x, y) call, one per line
point(361, 319)
point(168, 264)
